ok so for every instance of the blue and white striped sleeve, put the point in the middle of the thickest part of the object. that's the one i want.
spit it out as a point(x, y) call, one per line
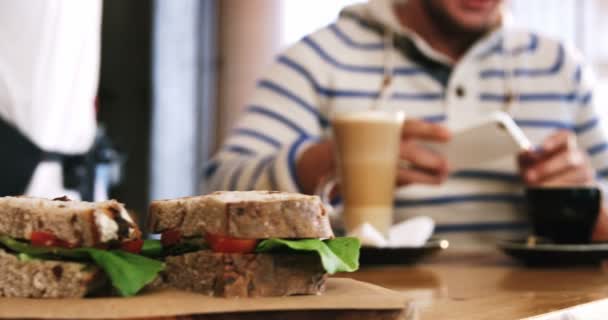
point(589, 126)
point(282, 120)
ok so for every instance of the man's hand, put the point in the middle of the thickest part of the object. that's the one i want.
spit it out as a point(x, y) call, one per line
point(315, 163)
point(559, 162)
point(422, 165)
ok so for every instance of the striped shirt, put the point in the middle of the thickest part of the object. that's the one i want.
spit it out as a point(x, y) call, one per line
point(342, 66)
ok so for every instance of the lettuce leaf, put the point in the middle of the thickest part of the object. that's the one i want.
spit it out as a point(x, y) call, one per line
point(128, 272)
point(337, 255)
point(154, 249)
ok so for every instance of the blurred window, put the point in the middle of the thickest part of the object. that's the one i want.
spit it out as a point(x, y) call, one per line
point(575, 22)
point(299, 18)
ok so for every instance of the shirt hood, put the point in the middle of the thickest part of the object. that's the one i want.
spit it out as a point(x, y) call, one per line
point(379, 12)
point(382, 13)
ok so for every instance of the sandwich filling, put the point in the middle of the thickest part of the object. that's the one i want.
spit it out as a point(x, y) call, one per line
point(339, 254)
point(128, 272)
point(98, 234)
point(113, 224)
point(108, 228)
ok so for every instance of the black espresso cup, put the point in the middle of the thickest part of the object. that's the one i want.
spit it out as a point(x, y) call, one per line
point(564, 215)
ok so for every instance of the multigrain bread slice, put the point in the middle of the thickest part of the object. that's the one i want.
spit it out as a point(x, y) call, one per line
point(245, 275)
point(75, 222)
point(46, 278)
point(243, 214)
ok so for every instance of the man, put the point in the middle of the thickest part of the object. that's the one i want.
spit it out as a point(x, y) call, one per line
point(449, 62)
point(49, 70)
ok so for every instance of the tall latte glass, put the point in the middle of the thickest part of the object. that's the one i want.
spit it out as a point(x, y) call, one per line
point(367, 153)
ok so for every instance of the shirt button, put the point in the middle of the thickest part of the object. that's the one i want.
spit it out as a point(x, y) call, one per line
point(460, 92)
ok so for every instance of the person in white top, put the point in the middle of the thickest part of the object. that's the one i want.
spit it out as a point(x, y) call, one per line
point(453, 61)
point(49, 70)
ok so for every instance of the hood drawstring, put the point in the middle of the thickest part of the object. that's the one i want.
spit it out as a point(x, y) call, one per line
point(387, 80)
point(510, 95)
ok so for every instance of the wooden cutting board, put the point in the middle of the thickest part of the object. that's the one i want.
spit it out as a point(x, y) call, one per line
point(344, 298)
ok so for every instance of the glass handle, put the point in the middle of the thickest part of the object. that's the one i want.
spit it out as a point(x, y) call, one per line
point(324, 188)
point(324, 191)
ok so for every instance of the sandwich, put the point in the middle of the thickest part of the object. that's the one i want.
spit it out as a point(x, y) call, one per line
point(249, 244)
point(70, 249)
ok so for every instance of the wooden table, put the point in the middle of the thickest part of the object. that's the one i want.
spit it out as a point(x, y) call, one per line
point(481, 286)
point(475, 286)
point(492, 286)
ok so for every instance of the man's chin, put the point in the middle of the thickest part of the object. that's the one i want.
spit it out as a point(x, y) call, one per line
point(461, 22)
point(475, 27)
point(470, 28)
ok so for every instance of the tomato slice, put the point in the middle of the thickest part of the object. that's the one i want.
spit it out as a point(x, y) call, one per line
point(43, 239)
point(230, 245)
point(133, 246)
point(170, 238)
point(64, 244)
point(47, 239)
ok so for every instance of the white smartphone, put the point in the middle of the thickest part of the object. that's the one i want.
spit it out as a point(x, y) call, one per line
point(492, 138)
